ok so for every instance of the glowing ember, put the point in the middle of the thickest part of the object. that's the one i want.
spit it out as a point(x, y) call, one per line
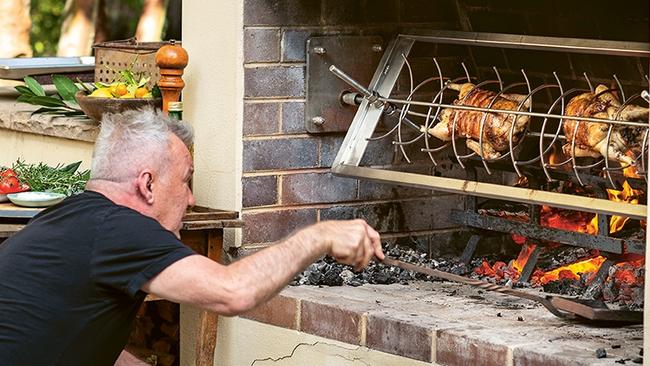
point(571, 271)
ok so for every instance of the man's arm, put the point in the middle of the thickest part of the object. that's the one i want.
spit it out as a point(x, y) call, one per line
point(240, 286)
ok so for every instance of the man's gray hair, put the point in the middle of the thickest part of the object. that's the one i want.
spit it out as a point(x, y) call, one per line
point(132, 140)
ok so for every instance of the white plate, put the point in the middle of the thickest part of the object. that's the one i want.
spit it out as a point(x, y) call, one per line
point(35, 199)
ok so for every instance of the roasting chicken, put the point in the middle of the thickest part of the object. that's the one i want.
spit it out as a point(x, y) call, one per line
point(496, 130)
point(591, 137)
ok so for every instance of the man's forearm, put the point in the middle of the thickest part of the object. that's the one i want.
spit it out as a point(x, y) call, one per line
point(266, 272)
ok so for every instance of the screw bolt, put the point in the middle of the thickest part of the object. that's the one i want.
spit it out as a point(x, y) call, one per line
point(377, 48)
point(318, 120)
point(319, 50)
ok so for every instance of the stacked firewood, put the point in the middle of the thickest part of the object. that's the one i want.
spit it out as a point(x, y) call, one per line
point(155, 337)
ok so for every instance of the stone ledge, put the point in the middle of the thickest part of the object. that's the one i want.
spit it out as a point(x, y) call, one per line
point(448, 324)
point(18, 117)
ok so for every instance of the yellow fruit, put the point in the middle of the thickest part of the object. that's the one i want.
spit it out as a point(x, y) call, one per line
point(120, 90)
point(126, 96)
point(101, 93)
point(141, 92)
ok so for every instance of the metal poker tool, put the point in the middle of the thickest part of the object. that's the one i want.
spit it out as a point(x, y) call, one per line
point(561, 307)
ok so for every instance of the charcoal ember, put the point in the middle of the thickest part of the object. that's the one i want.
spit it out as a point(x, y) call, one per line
point(347, 276)
point(565, 286)
point(405, 276)
point(382, 278)
point(333, 277)
point(601, 353)
point(315, 278)
point(323, 267)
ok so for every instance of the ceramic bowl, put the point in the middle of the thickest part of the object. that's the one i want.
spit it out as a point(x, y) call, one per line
point(35, 199)
point(95, 107)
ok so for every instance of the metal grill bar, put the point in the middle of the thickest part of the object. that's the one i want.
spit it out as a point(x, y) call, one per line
point(497, 191)
point(533, 231)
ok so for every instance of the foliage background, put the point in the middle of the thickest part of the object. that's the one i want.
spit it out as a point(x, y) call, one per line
point(47, 17)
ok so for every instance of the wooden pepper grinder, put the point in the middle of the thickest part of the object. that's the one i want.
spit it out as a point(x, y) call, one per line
point(171, 59)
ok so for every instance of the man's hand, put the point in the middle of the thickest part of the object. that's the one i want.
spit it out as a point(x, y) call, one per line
point(351, 242)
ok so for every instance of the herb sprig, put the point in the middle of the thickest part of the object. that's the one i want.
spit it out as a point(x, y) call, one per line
point(59, 179)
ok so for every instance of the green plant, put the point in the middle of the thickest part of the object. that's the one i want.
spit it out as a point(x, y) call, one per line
point(61, 103)
point(59, 179)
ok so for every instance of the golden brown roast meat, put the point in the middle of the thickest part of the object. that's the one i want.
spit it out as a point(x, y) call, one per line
point(591, 137)
point(496, 129)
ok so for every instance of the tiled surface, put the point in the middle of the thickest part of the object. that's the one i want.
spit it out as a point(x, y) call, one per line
point(452, 325)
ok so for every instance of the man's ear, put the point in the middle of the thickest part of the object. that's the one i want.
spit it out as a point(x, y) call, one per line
point(145, 182)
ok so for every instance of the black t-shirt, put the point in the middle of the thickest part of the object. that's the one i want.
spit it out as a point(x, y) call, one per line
point(70, 281)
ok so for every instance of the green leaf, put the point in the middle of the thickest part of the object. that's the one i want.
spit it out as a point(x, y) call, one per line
point(47, 101)
point(81, 85)
point(72, 105)
point(24, 90)
point(70, 168)
point(34, 86)
point(128, 76)
point(46, 110)
point(25, 98)
point(65, 87)
point(155, 91)
point(143, 81)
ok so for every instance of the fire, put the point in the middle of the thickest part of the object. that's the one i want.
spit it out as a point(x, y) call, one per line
point(571, 271)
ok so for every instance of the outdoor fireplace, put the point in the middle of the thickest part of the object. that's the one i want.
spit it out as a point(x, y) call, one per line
point(534, 206)
point(542, 160)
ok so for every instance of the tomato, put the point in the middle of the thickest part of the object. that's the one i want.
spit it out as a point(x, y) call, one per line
point(10, 185)
point(7, 173)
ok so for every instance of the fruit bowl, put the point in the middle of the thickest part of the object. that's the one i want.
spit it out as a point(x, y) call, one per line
point(96, 107)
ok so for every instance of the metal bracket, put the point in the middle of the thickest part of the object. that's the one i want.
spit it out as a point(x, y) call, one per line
point(357, 55)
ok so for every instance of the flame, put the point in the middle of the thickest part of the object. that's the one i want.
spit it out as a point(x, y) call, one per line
point(570, 271)
point(627, 194)
point(519, 263)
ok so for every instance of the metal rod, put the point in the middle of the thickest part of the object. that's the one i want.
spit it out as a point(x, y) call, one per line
point(497, 191)
point(529, 267)
point(533, 231)
point(574, 45)
point(478, 283)
point(507, 111)
point(470, 248)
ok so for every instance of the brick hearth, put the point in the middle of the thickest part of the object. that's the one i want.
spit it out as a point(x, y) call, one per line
point(448, 324)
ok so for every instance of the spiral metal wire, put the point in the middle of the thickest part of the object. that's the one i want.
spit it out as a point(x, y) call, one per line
point(547, 140)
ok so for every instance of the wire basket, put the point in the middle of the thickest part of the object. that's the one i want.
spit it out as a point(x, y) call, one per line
point(113, 56)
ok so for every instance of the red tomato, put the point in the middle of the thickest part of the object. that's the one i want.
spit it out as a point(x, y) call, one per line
point(7, 173)
point(10, 185)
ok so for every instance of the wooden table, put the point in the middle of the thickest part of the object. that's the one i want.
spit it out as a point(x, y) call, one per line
point(202, 231)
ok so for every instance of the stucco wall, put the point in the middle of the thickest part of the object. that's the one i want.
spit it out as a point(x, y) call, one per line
point(246, 342)
point(36, 148)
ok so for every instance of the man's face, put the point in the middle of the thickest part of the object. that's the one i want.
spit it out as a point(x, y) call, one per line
point(172, 192)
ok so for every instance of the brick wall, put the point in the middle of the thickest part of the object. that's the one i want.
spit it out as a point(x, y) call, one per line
point(286, 181)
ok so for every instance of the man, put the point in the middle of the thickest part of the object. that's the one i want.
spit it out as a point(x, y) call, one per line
point(74, 278)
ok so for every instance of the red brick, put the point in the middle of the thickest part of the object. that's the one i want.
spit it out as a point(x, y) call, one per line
point(280, 311)
point(274, 81)
point(269, 226)
point(399, 337)
point(331, 321)
point(317, 188)
point(456, 347)
point(260, 191)
point(261, 118)
point(261, 45)
point(274, 154)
